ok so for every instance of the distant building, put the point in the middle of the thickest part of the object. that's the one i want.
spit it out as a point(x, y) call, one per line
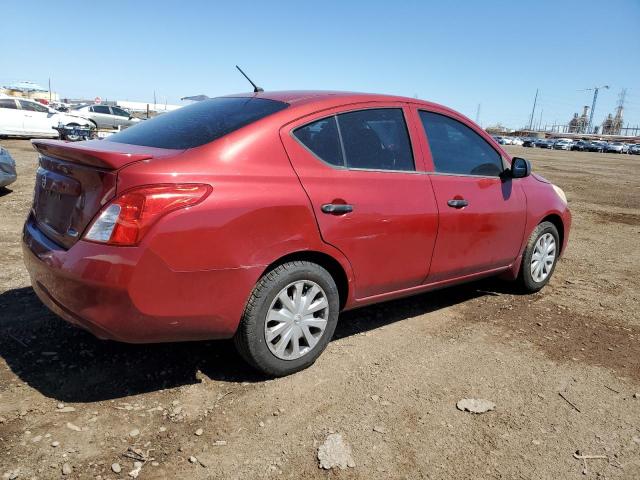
point(143, 106)
point(578, 124)
point(29, 90)
point(612, 125)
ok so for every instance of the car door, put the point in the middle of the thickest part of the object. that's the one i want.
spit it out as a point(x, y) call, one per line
point(482, 215)
point(37, 120)
point(358, 168)
point(120, 117)
point(11, 119)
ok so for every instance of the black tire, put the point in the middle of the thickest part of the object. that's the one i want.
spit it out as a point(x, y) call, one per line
point(525, 277)
point(250, 338)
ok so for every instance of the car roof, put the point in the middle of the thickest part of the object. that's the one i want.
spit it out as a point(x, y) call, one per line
point(328, 98)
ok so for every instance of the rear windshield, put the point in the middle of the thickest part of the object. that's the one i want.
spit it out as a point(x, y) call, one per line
point(199, 123)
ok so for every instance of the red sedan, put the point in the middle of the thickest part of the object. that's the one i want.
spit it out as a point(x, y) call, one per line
point(260, 217)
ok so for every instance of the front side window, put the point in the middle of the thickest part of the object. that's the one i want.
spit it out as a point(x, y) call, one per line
point(32, 106)
point(8, 103)
point(119, 112)
point(373, 139)
point(457, 149)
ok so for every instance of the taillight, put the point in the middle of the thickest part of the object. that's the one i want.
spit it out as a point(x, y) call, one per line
point(126, 219)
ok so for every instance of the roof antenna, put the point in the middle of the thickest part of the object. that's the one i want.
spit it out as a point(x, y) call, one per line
point(256, 88)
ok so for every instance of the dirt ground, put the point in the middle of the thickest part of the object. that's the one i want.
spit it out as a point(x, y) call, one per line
point(398, 368)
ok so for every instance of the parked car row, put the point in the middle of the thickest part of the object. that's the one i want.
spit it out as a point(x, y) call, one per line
point(508, 140)
point(582, 145)
point(22, 117)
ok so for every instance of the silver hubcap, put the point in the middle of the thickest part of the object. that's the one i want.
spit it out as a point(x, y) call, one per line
point(296, 320)
point(544, 254)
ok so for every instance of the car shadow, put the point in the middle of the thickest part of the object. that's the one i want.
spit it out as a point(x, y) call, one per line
point(71, 365)
point(5, 191)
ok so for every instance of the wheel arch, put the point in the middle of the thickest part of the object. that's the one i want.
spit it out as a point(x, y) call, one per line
point(326, 261)
point(556, 220)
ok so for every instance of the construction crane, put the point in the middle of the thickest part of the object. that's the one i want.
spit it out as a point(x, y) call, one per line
point(593, 105)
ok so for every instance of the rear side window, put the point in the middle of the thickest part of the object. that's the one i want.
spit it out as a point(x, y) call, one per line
point(322, 138)
point(456, 148)
point(376, 139)
point(373, 139)
point(8, 103)
point(101, 109)
point(198, 123)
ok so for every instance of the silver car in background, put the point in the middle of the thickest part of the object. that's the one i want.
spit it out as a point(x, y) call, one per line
point(563, 144)
point(106, 116)
point(7, 168)
point(615, 147)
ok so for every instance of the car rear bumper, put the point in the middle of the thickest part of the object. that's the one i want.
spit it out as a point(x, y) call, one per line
point(129, 294)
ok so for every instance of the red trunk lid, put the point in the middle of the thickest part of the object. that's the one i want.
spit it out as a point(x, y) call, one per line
point(75, 180)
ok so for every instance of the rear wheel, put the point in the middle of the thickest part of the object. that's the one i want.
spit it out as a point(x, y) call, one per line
point(540, 257)
point(289, 318)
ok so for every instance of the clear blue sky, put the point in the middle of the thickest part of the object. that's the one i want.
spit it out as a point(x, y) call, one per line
point(459, 53)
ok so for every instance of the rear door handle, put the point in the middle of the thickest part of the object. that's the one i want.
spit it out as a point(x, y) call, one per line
point(336, 208)
point(457, 203)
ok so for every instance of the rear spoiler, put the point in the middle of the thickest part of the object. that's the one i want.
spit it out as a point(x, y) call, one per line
point(97, 153)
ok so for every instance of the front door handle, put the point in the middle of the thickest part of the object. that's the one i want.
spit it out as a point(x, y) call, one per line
point(457, 203)
point(336, 208)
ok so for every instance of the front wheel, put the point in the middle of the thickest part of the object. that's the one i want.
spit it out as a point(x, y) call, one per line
point(540, 257)
point(289, 318)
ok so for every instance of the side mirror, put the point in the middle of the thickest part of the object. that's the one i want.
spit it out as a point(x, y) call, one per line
point(520, 168)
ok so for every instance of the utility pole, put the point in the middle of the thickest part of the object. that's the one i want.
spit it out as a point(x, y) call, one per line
point(478, 114)
point(540, 120)
point(535, 99)
point(49, 89)
point(593, 105)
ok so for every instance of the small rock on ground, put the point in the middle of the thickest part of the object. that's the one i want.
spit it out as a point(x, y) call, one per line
point(335, 452)
point(73, 427)
point(116, 468)
point(66, 469)
point(475, 405)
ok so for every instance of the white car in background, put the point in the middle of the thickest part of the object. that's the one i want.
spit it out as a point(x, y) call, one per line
point(517, 141)
point(21, 117)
